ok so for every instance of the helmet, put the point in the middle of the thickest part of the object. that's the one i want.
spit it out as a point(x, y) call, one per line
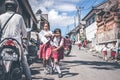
point(12, 2)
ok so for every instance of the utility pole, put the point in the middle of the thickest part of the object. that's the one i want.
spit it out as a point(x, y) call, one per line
point(79, 20)
point(79, 14)
point(74, 21)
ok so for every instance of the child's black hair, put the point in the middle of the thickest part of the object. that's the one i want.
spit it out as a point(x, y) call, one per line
point(47, 24)
point(57, 30)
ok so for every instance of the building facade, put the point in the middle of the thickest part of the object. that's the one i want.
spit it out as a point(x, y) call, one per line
point(108, 23)
point(91, 26)
point(41, 18)
point(77, 33)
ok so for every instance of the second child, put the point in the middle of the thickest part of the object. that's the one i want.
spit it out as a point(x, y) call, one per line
point(114, 52)
point(57, 49)
point(104, 51)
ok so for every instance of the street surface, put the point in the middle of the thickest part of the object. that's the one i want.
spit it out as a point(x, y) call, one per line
point(80, 65)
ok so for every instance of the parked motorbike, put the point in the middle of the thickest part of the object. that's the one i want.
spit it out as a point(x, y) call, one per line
point(10, 60)
point(32, 50)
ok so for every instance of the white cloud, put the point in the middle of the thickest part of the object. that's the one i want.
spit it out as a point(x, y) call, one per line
point(52, 8)
point(59, 20)
point(61, 5)
point(36, 5)
point(69, 1)
point(54, 17)
point(65, 7)
point(64, 14)
point(48, 3)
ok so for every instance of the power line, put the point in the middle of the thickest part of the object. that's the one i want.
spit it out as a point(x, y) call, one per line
point(83, 3)
point(90, 4)
point(86, 2)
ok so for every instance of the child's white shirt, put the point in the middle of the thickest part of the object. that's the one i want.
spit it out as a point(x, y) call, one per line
point(104, 49)
point(56, 41)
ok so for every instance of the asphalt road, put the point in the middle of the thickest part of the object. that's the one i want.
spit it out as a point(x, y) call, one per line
point(80, 65)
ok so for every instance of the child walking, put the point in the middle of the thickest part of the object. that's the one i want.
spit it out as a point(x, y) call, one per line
point(45, 48)
point(104, 51)
point(79, 44)
point(57, 49)
point(114, 52)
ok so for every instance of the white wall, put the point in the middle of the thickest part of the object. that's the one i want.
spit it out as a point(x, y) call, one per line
point(91, 31)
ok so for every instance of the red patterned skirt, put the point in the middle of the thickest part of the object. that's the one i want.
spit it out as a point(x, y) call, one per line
point(44, 51)
point(58, 54)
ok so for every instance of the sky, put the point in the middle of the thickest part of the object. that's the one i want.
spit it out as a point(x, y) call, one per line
point(63, 13)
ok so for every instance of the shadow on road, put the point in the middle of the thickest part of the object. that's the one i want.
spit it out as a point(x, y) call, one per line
point(40, 78)
point(70, 56)
point(37, 78)
point(35, 72)
point(93, 64)
point(68, 74)
point(48, 79)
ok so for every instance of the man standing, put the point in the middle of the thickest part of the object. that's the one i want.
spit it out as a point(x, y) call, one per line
point(14, 28)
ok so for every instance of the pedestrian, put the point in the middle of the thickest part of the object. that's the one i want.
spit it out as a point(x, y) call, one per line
point(67, 43)
point(57, 49)
point(113, 52)
point(104, 52)
point(13, 29)
point(79, 44)
point(45, 47)
point(85, 43)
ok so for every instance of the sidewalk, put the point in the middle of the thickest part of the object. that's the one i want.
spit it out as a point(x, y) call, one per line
point(100, 55)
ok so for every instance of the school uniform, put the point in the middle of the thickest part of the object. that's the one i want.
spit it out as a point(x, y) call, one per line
point(113, 51)
point(79, 44)
point(45, 49)
point(104, 51)
point(57, 41)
